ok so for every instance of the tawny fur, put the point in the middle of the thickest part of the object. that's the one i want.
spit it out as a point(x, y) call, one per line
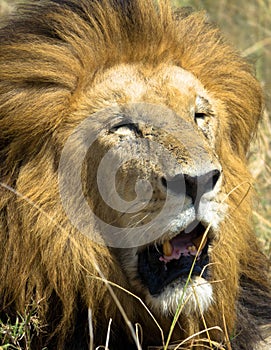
point(49, 57)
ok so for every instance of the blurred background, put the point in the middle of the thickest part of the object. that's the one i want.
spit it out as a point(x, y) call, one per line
point(247, 25)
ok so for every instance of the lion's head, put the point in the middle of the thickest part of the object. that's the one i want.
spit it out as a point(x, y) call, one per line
point(124, 133)
point(154, 173)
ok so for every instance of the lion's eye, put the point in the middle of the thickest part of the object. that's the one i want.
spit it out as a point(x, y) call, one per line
point(200, 119)
point(125, 129)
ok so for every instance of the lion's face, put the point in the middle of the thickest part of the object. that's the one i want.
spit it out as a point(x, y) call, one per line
point(159, 180)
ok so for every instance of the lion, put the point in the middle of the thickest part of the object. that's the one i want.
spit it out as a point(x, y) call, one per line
point(125, 193)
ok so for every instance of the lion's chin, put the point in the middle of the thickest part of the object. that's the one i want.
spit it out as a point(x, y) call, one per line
point(197, 295)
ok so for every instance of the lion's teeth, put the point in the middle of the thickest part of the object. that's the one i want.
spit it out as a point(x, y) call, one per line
point(192, 249)
point(167, 248)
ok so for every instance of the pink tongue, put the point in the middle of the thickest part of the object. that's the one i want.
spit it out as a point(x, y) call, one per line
point(180, 245)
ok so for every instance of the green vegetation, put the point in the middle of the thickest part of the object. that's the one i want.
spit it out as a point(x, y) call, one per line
point(18, 334)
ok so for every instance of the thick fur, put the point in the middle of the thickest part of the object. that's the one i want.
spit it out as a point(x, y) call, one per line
point(50, 55)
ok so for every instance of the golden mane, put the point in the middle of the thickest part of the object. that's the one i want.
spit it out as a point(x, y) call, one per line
point(50, 54)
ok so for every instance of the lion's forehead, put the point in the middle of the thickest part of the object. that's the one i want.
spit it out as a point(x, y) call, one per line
point(166, 84)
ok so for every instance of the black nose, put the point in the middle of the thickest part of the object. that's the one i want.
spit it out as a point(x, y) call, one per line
point(193, 186)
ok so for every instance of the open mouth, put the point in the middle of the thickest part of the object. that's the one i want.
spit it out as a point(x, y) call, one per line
point(159, 265)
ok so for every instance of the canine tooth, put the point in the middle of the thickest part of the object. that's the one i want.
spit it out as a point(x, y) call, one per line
point(167, 248)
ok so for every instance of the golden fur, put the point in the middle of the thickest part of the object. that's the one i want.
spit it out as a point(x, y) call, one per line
point(54, 60)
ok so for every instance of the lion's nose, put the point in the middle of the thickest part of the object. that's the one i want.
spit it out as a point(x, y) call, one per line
point(193, 186)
